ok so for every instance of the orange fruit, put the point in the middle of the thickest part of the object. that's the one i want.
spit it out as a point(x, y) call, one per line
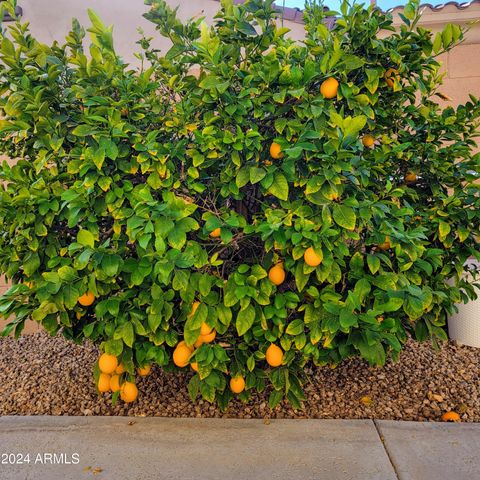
point(277, 274)
point(390, 76)
point(329, 88)
point(183, 344)
point(274, 355)
point(107, 363)
point(237, 384)
point(368, 140)
point(194, 366)
point(386, 244)
point(380, 319)
point(144, 371)
point(276, 150)
point(86, 299)
point(120, 369)
point(312, 258)
point(451, 417)
point(115, 383)
point(128, 392)
point(195, 305)
point(205, 338)
point(181, 354)
point(205, 329)
point(103, 384)
point(216, 233)
point(410, 177)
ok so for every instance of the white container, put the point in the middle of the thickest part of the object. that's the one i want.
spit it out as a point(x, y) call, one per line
point(464, 326)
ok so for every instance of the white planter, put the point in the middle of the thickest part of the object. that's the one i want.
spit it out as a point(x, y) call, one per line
point(464, 326)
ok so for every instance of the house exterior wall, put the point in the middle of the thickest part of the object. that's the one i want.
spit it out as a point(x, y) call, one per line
point(51, 19)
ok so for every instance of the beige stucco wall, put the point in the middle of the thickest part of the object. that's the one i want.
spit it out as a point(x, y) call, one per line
point(51, 19)
point(462, 64)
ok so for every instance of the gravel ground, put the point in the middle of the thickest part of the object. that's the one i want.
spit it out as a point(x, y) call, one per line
point(41, 375)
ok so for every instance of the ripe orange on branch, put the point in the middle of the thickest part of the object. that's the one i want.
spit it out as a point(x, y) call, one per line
point(237, 384)
point(368, 141)
point(312, 258)
point(181, 354)
point(107, 363)
point(410, 177)
point(205, 329)
point(386, 244)
point(115, 383)
point(86, 299)
point(277, 274)
point(216, 233)
point(144, 371)
point(205, 339)
point(276, 151)
point(274, 355)
point(128, 392)
point(329, 88)
point(103, 384)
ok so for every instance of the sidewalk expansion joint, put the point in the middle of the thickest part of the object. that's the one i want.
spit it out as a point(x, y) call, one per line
point(380, 436)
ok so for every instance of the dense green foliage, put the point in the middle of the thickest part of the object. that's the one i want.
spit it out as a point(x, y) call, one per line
point(121, 174)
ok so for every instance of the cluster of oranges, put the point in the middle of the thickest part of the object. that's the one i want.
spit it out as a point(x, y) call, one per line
point(329, 90)
point(182, 355)
point(311, 257)
point(110, 378)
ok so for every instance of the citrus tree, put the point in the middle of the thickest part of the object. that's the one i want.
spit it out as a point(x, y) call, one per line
point(243, 203)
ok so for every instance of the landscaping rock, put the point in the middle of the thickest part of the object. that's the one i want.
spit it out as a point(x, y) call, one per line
point(43, 375)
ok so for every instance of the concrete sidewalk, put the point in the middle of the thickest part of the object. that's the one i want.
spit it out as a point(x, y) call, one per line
point(183, 449)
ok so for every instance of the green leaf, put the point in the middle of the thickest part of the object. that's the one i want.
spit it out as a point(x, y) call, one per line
point(31, 265)
point(246, 28)
point(437, 43)
point(191, 330)
point(245, 319)
point(83, 130)
point(301, 278)
point(224, 314)
point(409, 11)
point(275, 398)
point(209, 82)
point(177, 238)
point(111, 264)
point(128, 334)
point(67, 273)
point(279, 187)
point(256, 174)
point(373, 263)
point(362, 289)
point(295, 327)
point(243, 177)
point(344, 216)
point(443, 230)
point(251, 363)
point(70, 296)
point(194, 387)
point(86, 238)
